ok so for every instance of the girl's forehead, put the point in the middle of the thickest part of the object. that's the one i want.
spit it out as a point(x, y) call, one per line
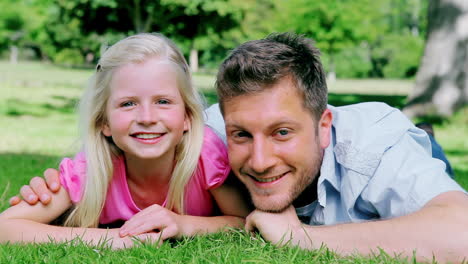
point(145, 89)
point(148, 72)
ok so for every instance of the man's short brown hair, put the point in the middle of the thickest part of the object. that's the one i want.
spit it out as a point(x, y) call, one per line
point(259, 64)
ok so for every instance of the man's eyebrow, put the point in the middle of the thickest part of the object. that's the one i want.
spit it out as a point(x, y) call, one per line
point(285, 121)
point(278, 123)
point(233, 125)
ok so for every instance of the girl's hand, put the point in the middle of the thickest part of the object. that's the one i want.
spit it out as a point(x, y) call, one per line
point(117, 242)
point(158, 219)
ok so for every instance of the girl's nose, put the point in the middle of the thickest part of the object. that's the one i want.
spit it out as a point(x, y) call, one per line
point(147, 115)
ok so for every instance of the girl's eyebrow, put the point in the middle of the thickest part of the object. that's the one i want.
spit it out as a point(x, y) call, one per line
point(161, 95)
point(124, 98)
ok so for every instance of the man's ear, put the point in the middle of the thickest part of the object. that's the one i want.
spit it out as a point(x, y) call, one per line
point(106, 130)
point(324, 128)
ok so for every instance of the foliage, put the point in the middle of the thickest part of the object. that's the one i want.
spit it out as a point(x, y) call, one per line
point(69, 57)
point(359, 38)
point(17, 20)
point(86, 25)
point(353, 62)
point(397, 56)
point(334, 25)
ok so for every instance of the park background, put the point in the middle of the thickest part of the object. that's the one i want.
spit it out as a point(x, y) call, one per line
point(411, 54)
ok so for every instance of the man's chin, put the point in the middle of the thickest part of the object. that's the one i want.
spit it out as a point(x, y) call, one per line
point(269, 205)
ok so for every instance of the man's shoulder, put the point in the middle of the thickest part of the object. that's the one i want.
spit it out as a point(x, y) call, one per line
point(214, 119)
point(367, 113)
point(363, 119)
point(364, 132)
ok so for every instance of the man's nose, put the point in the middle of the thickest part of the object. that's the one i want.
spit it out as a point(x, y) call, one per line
point(262, 157)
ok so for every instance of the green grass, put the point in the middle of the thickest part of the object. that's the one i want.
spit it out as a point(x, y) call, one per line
point(233, 247)
point(39, 128)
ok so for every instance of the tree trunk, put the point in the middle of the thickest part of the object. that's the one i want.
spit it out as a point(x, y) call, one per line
point(135, 13)
point(13, 54)
point(331, 75)
point(442, 82)
point(193, 59)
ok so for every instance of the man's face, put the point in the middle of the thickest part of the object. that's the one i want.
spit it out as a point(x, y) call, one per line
point(275, 145)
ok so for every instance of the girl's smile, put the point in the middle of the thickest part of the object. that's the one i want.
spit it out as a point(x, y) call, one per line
point(148, 138)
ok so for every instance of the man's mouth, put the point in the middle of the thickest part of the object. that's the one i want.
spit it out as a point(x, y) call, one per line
point(265, 180)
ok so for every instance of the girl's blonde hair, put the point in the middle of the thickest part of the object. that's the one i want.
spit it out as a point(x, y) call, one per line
point(100, 151)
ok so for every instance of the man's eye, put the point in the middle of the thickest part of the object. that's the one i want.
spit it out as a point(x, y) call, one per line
point(163, 101)
point(241, 134)
point(282, 132)
point(127, 104)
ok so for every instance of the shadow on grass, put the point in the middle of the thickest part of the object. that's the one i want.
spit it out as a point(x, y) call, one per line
point(397, 101)
point(16, 169)
point(432, 119)
point(457, 152)
point(461, 176)
point(335, 99)
point(17, 107)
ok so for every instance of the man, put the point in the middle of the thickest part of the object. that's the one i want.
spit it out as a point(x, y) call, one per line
point(357, 178)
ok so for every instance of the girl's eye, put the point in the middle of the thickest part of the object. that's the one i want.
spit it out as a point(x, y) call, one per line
point(163, 101)
point(127, 104)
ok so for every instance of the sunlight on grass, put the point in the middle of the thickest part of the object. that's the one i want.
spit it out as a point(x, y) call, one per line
point(233, 247)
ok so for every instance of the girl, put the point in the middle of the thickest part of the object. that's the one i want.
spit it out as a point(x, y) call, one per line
point(147, 158)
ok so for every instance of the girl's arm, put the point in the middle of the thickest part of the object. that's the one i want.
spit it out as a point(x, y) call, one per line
point(29, 223)
point(229, 198)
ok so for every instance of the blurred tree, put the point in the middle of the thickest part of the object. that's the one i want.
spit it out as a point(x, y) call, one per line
point(183, 20)
point(360, 38)
point(255, 23)
point(13, 24)
point(396, 52)
point(406, 16)
point(442, 80)
point(203, 19)
point(334, 25)
point(18, 24)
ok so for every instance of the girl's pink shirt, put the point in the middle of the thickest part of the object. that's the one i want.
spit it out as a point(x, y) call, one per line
point(213, 169)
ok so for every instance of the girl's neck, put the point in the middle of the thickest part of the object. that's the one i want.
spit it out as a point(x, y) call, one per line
point(150, 171)
point(148, 180)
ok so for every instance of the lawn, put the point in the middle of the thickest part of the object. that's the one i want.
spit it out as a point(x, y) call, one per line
point(39, 128)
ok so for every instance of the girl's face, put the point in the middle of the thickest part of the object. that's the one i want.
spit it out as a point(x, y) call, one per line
point(145, 113)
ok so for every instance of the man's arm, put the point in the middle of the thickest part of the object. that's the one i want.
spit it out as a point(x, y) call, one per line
point(29, 223)
point(39, 189)
point(438, 229)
